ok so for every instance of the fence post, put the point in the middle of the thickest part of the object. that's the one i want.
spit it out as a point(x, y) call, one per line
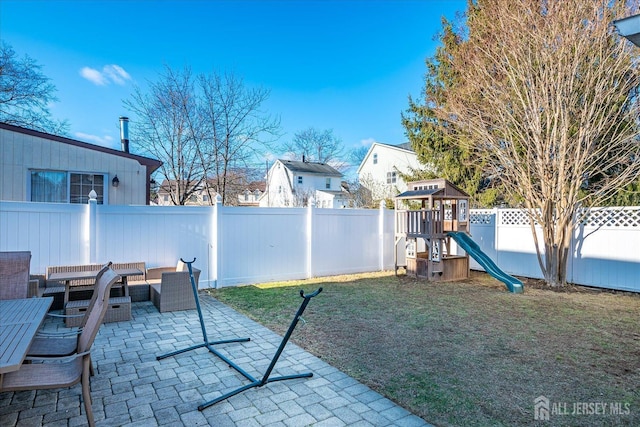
point(496, 234)
point(214, 244)
point(92, 225)
point(381, 216)
point(309, 238)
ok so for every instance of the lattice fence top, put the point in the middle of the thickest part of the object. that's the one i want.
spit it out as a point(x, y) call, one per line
point(513, 217)
point(481, 216)
point(596, 217)
point(612, 217)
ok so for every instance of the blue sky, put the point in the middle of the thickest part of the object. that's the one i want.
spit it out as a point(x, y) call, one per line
point(342, 65)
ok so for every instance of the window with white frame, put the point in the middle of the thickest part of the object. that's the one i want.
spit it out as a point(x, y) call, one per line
point(391, 177)
point(375, 158)
point(327, 183)
point(65, 187)
point(299, 180)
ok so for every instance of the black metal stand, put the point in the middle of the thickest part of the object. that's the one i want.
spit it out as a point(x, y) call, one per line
point(206, 342)
point(265, 379)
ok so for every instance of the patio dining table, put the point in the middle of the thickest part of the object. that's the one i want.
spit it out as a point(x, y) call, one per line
point(20, 319)
point(68, 276)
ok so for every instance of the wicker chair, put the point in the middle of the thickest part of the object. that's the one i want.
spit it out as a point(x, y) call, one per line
point(154, 274)
point(15, 282)
point(67, 371)
point(174, 291)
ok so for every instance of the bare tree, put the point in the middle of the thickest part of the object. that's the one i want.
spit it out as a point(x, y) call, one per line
point(205, 130)
point(547, 91)
point(357, 155)
point(25, 93)
point(369, 192)
point(360, 195)
point(237, 182)
point(315, 145)
point(236, 128)
point(167, 127)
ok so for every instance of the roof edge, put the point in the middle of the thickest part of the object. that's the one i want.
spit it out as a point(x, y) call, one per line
point(153, 164)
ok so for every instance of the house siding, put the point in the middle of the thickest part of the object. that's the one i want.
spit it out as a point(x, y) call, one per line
point(23, 152)
point(390, 158)
point(283, 189)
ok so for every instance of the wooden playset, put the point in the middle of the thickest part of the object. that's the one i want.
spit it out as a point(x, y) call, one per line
point(424, 215)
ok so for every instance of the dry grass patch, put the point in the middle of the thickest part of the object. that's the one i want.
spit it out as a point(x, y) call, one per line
point(466, 353)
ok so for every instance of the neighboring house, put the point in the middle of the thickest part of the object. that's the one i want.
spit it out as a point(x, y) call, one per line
point(200, 197)
point(39, 167)
point(247, 196)
point(379, 169)
point(251, 195)
point(293, 183)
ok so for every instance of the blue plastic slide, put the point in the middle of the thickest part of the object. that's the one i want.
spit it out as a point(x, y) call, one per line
point(465, 242)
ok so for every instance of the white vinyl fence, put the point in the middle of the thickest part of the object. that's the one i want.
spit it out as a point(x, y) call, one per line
point(605, 250)
point(232, 245)
point(238, 245)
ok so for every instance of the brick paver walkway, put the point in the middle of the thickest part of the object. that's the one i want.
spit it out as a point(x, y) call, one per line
point(132, 388)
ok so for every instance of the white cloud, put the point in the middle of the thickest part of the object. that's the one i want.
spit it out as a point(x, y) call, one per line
point(99, 140)
point(116, 73)
point(94, 76)
point(111, 73)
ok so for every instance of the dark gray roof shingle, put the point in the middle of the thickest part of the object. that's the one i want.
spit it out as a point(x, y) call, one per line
point(310, 167)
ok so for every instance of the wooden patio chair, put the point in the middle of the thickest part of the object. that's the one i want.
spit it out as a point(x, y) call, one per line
point(70, 370)
point(65, 342)
point(15, 281)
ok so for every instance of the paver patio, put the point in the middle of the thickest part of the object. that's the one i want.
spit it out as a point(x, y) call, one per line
point(132, 388)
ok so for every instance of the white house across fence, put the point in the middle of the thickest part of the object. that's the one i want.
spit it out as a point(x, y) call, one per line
point(244, 245)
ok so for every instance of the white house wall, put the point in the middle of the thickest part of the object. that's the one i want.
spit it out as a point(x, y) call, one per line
point(389, 159)
point(23, 152)
point(281, 181)
point(278, 188)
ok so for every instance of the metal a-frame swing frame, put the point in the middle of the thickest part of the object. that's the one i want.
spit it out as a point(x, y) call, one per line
point(265, 378)
point(208, 344)
point(254, 382)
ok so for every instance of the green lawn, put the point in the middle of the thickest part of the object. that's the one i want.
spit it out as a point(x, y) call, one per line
point(467, 353)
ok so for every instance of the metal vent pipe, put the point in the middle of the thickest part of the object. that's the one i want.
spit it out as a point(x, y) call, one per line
point(124, 133)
